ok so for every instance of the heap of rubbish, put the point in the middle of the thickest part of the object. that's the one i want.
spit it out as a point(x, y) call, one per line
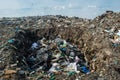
point(33, 54)
point(60, 48)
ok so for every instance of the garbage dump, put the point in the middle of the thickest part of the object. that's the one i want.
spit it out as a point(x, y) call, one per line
point(60, 48)
point(33, 54)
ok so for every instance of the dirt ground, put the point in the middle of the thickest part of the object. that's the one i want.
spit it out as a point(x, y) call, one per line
point(87, 34)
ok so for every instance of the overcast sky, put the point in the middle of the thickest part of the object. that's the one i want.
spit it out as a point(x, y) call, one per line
point(80, 8)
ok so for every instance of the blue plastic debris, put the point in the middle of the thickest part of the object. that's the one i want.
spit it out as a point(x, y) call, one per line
point(84, 69)
point(11, 41)
point(35, 46)
point(116, 45)
point(63, 49)
point(17, 29)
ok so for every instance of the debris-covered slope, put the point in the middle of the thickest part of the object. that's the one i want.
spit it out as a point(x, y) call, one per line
point(92, 39)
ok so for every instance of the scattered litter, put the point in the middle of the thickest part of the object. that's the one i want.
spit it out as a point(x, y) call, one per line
point(118, 33)
point(55, 68)
point(71, 73)
point(72, 67)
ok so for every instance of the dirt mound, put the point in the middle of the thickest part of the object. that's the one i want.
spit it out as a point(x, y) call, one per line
point(88, 35)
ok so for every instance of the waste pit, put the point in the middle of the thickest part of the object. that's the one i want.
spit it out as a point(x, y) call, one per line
point(33, 55)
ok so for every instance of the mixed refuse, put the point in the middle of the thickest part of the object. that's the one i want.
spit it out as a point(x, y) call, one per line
point(34, 54)
point(60, 48)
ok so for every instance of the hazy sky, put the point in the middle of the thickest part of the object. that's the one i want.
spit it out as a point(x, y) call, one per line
point(80, 8)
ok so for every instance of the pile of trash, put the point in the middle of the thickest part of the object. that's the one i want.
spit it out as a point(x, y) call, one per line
point(33, 54)
point(60, 48)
